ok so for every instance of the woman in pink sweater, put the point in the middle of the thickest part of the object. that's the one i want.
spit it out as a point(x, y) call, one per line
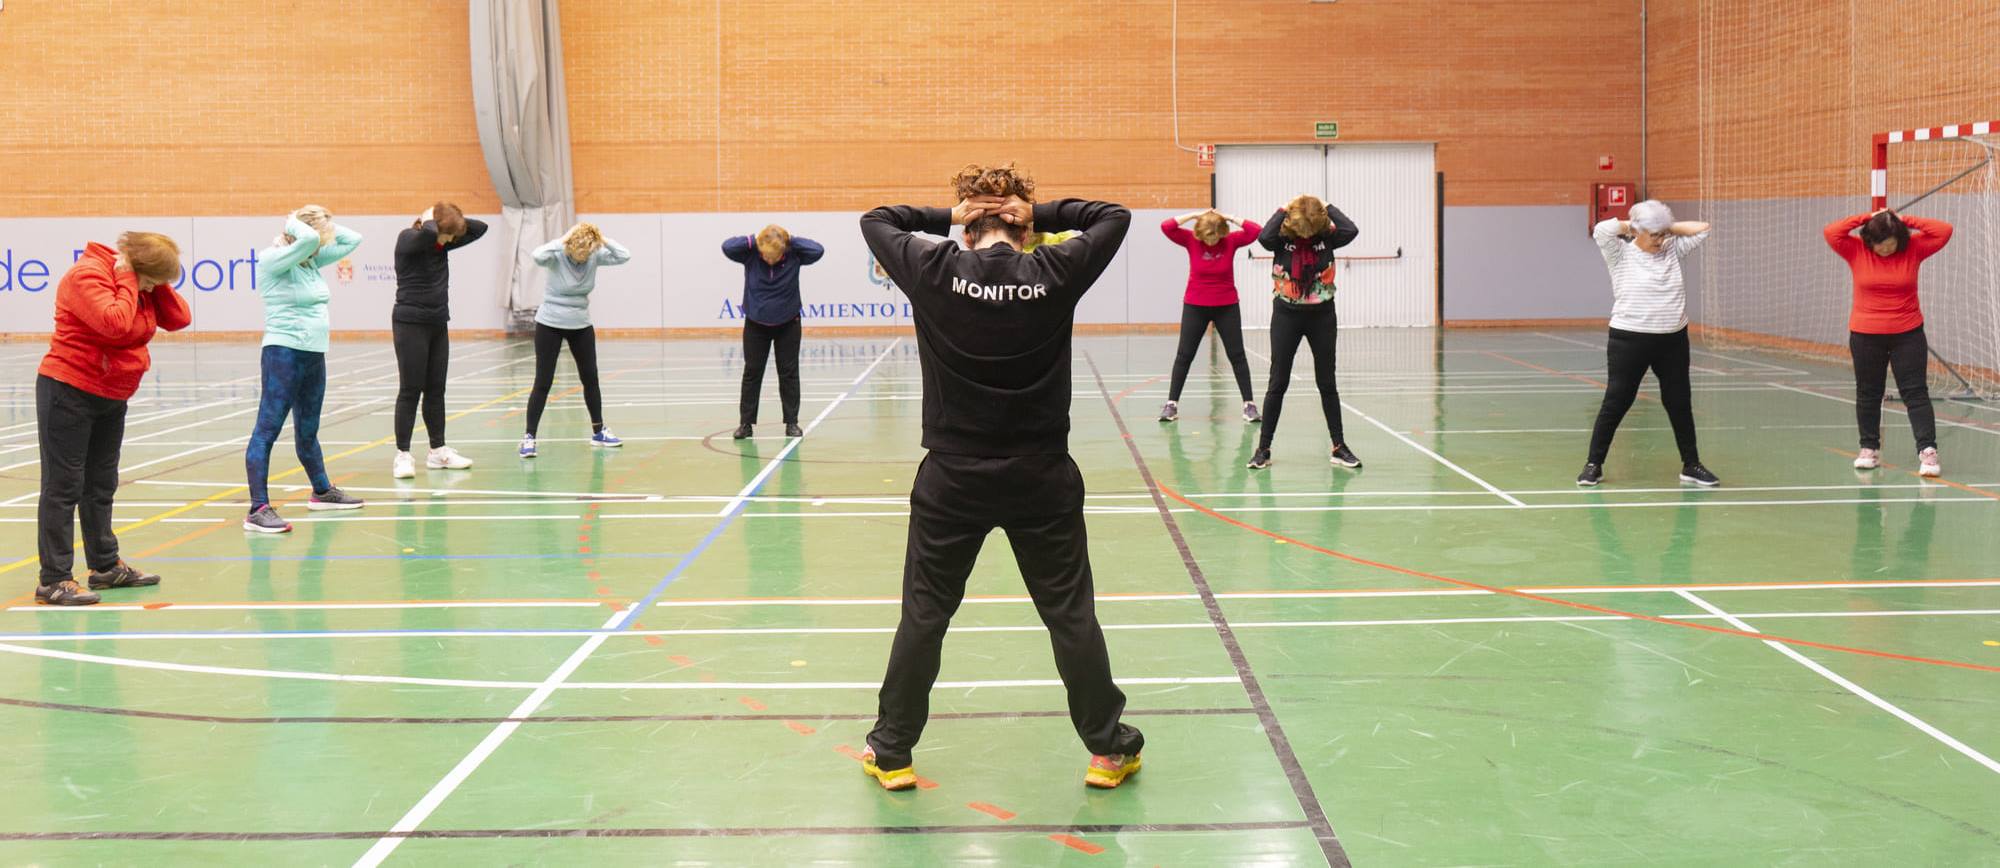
point(1210, 298)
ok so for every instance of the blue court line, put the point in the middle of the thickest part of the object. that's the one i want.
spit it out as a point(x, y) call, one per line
point(409, 557)
point(742, 498)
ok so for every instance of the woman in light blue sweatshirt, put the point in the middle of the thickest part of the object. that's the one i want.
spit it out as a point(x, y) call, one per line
point(564, 317)
point(294, 359)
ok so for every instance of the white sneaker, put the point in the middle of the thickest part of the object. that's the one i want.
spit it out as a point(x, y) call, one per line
point(446, 458)
point(405, 466)
point(1867, 459)
point(1927, 463)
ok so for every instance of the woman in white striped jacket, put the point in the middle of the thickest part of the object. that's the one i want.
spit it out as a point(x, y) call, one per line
point(1648, 330)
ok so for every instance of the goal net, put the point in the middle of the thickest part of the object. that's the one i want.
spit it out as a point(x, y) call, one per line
point(1789, 101)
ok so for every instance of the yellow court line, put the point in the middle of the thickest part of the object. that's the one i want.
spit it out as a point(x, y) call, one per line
point(231, 492)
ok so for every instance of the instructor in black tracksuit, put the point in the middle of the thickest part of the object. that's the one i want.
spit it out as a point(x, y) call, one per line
point(993, 336)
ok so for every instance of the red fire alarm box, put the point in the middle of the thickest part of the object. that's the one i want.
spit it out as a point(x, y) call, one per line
point(1612, 201)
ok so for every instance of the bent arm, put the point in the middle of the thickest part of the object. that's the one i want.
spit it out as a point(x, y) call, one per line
point(305, 241)
point(809, 250)
point(1272, 237)
point(612, 253)
point(344, 242)
point(170, 311)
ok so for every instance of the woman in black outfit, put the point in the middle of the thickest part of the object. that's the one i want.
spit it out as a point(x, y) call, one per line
point(418, 325)
point(1302, 237)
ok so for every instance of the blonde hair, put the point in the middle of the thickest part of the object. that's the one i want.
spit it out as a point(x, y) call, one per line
point(1210, 228)
point(583, 241)
point(1305, 217)
point(318, 218)
point(155, 258)
point(772, 241)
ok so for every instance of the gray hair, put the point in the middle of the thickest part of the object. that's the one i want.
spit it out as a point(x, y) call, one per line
point(1652, 216)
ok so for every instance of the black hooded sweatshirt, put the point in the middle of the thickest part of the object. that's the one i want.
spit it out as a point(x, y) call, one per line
point(993, 325)
point(423, 272)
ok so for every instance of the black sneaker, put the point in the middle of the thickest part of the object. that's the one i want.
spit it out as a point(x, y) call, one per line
point(1698, 475)
point(1261, 458)
point(266, 520)
point(1170, 411)
point(1343, 456)
point(333, 498)
point(742, 432)
point(122, 575)
point(1592, 474)
point(792, 429)
point(65, 593)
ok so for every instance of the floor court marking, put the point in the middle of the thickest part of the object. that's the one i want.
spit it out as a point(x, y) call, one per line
point(1826, 646)
point(1246, 677)
point(1851, 687)
point(885, 630)
point(421, 811)
point(675, 832)
point(1983, 428)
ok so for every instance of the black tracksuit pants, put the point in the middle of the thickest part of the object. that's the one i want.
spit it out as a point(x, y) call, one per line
point(956, 501)
point(1228, 320)
point(423, 363)
point(1319, 327)
point(80, 436)
point(758, 340)
point(1627, 357)
point(1874, 355)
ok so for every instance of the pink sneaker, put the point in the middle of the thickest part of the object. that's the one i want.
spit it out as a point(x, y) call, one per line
point(1927, 463)
point(1868, 459)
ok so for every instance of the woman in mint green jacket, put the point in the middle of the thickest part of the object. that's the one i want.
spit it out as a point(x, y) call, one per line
point(294, 359)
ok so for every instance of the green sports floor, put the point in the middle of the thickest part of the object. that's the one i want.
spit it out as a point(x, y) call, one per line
point(667, 654)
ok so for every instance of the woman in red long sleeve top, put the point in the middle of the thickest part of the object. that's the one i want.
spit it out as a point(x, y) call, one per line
point(1210, 298)
point(1886, 326)
point(108, 306)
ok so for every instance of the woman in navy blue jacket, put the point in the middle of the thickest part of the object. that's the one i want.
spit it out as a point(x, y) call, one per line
point(771, 262)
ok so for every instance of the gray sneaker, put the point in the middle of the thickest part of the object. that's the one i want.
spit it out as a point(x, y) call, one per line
point(333, 498)
point(266, 520)
point(1250, 413)
point(1170, 412)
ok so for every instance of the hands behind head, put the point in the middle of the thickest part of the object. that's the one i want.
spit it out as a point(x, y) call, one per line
point(973, 208)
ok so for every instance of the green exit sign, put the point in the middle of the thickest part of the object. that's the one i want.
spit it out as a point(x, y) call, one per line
point(1326, 130)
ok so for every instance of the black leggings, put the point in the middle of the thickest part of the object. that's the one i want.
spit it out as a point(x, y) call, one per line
point(1908, 353)
point(758, 339)
point(1319, 327)
point(1627, 356)
point(582, 347)
point(423, 355)
point(1228, 320)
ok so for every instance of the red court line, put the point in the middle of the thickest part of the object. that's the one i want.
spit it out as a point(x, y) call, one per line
point(799, 728)
point(1548, 370)
point(1686, 625)
point(995, 811)
point(1142, 384)
point(1075, 843)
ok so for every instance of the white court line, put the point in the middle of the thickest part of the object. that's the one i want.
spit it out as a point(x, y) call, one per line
point(890, 630)
point(436, 492)
point(1851, 687)
point(1764, 365)
point(1417, 446)
point(1885, 408)
point(556, 680)
point(218, 607)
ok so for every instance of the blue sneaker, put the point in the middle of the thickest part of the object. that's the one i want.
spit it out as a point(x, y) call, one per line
point(606, 439)
point(527, 446)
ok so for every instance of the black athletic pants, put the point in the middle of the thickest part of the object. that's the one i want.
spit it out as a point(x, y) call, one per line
point(80, 435)
point(423, 356)
point(1874, 355)
point(1627, 357)
point(1317, 325)
point(757, 341)
point(583, 348)
point(956, 501)
point(1228, 320)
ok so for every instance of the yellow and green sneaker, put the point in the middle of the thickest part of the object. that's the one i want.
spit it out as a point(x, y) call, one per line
point(890, 779)
point(1107, 772)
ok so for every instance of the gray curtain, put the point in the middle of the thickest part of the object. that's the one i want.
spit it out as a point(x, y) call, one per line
point(522, 110)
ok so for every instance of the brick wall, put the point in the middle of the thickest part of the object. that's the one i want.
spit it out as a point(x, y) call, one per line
point(701, 105)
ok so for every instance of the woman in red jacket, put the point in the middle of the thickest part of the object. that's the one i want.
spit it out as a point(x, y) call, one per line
point(1210, 298)
point(107, 307)
point(1886, 326)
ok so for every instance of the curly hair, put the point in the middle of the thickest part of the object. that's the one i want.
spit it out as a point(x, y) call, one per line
point(450, 220)
point(1305, 217)
point(1003, 181)
point(1210, 228)
point(583, 241)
